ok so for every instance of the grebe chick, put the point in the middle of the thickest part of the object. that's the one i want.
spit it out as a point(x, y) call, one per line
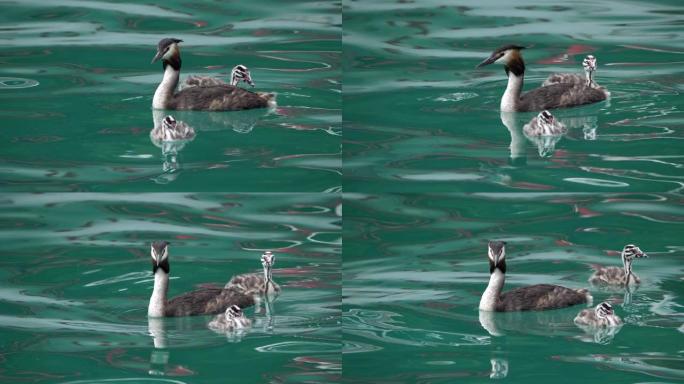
point(255, 284)
point(223, 97)
point(601, 316)
point(531, 298)
point(172, 130)
point(589, 65)
point(239, 73)
point(233, 319)
point(204, 301)
point(556, 95)
point(616, 275)
point(544, 124)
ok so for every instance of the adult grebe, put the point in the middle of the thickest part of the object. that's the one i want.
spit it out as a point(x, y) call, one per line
point(556, 95)
point(239, 73)
point(204, 301)
point(202, 98)
point(601, 316)
point(255, 284)
point(616, 275)
point(534, 297)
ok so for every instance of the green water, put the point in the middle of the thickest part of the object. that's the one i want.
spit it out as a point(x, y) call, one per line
point(380, 99)
point(416, 265)
point(77, 279)
point(85, 125)
point(435, 124)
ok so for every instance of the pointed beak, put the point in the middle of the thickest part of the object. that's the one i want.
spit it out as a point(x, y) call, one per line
point(642, 254)
point(494, 57)
point(157, 56)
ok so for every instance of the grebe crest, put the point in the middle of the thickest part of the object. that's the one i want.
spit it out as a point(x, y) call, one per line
point(534, 297)
point(616, 275)
point(554, 93)
point(212, 97)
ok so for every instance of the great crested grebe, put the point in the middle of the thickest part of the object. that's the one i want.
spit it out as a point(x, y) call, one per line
point(531, 298)
point(171, 130)
point(601, 316)
point(556, 95)
point(616, 275)
point(239, 73)
point(232, 319)
point(255, 284)
point(200, 98)
point(204, 301)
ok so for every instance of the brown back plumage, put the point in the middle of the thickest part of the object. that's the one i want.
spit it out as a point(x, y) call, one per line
point(219, 98)
point(541, 297)
point(207, 301)
point(559, 95)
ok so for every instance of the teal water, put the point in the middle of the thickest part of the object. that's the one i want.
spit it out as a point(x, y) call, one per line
point(76, 89)
point(415, 266)
point(420, 118)
point(76, 281)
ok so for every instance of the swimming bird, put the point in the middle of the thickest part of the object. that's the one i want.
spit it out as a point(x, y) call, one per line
point(601, 316)
point(556, 95)
point(204, 301)
point(171, 130)
point(239, 73)
point(232, 319)
point(223, 97)
point(256, 284)
point(545, 131)
point(533, 297)
point(589, 64)
point(616, 275)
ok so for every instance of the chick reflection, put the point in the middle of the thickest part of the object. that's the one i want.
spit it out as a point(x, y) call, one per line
point(499, 368)
point(170, 135)
point(545, 131)
point(600, 323)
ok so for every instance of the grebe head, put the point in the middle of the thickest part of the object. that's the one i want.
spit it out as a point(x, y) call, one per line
point(169, 52)
point(631, 251)
point(233, 312)
point(160, 256)
point(546, 117)
point(589, 63)
point(240, 73)
point(267, 259)
point(509, 56)
point(169, 122)
point(604, 310)
point(497, 256)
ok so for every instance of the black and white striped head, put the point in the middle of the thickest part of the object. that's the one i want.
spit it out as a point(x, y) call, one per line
point(509, 56)
point(233, 312)
point(589, 63)
point(497, 256)
point(169, 52)
point(267, 259)
point(631, 252)
point(240, 73)
point(604, 310)
point(546, 117)
point(160, 256)
point(169, 122)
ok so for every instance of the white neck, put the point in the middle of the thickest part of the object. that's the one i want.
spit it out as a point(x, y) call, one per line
point(268, 277)
point(166, 88)
point(158, 298)
point(491, 295)
point(511, 96)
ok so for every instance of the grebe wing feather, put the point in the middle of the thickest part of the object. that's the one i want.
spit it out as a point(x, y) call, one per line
point(539, 297)
point(217, 98)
